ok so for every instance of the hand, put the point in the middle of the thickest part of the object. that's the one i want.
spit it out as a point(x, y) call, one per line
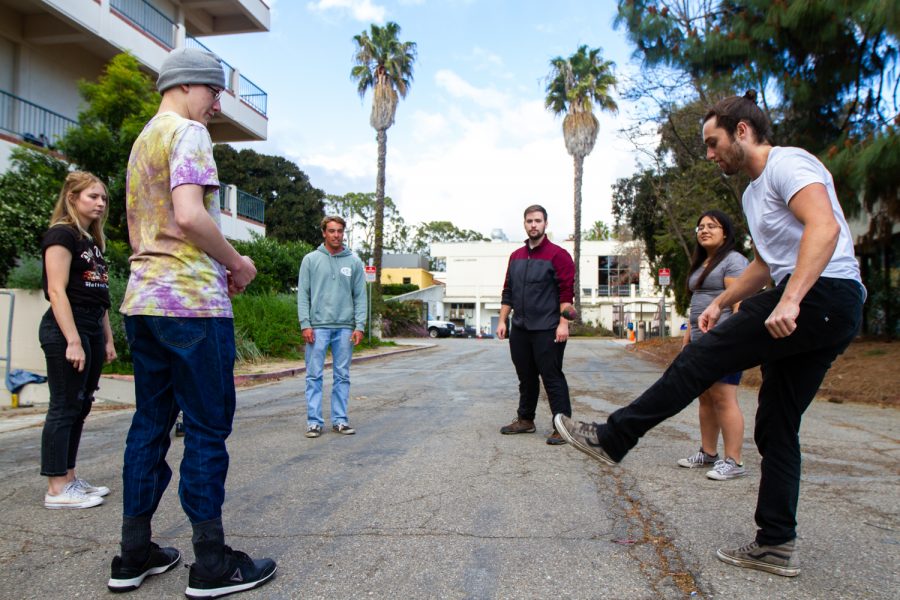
point(110, 351)
point(356, 337)
point(309, 335)
point(709, 317)
point(242, 274)
point(567, 311)
point(501, 330)
point(783, 320)
point(233, 290)
point(562, 332)
point(75, 355)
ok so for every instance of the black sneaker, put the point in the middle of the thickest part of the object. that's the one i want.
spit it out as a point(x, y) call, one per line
point(125, 579)
point(242, 573)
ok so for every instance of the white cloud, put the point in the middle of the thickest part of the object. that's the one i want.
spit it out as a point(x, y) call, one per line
point(361, 10)
point(477, 161)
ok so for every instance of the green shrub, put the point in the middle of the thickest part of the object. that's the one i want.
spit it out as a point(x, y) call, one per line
point(27, 275)
point(116, 257)
point(403, 319)
point(395, 289)
point(277, 263)
point(122, 364)
point(270, 322)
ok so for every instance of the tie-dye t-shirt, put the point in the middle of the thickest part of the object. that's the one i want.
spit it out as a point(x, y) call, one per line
point(170, 276)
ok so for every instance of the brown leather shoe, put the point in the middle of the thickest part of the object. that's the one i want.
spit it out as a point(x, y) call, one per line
point(518, 426)
point(554, 439)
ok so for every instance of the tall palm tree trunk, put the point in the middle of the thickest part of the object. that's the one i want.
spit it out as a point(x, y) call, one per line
point(378, 249)
point(579, 172)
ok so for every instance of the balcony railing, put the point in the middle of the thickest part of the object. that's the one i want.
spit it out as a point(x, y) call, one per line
point(248, 91)
point(33, 123)
point(251, 207)
point(148, 19)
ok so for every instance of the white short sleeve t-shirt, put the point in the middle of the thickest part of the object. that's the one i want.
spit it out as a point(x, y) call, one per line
point(776, 231)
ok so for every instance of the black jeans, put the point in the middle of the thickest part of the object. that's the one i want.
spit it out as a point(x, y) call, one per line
point(535, 353)
point(71, 392)
point(792, 370)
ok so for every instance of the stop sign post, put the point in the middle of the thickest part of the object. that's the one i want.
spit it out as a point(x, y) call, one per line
point(664, 279)
point(370, 278)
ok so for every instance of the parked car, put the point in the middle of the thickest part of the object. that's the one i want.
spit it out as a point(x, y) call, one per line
point(438, 328)
point(465, 331)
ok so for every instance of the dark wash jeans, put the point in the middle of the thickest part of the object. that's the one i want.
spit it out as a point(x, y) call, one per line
point(792, 370)
point(71, 392)
point(535, 353)
point(182, 364)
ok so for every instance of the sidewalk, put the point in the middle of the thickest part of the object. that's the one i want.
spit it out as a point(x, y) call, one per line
point(117, 391)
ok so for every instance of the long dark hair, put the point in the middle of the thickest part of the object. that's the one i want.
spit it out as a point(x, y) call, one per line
point(700, 252)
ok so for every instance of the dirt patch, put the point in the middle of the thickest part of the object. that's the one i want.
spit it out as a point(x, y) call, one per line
point(866, 373)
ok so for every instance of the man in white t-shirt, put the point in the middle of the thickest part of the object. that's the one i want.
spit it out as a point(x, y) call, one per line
point(794, 330)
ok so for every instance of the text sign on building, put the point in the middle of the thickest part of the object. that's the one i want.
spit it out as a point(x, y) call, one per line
point(664, 276)
point(370, 274)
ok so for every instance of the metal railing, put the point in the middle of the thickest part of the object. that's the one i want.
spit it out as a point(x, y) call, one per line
point(31, 122)
point(251, 207)
point(148, 18)
point(252, 95)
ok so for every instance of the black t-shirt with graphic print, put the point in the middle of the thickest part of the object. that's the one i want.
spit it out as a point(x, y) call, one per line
point(88, 279)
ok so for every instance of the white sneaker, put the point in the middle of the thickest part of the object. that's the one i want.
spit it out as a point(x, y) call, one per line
point(91, 490)
point(71, 497)
point(727, 469)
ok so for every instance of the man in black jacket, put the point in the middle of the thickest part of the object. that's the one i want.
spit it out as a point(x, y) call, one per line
point(538, 291)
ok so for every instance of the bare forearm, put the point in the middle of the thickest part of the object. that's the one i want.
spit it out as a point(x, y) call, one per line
point(62, 312)
point(817, 246)
point(202, 232)
point(753, 279)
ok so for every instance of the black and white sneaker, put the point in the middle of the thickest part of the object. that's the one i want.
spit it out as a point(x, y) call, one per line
point(241, 573)
point(125, 579)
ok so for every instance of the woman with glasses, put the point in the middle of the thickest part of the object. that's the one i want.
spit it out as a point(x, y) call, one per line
point(714, 266)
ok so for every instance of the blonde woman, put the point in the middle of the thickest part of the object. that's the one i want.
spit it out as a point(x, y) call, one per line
point(74, 334)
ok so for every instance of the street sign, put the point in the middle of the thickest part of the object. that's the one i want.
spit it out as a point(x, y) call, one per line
point(664, 276)
point(370, 274)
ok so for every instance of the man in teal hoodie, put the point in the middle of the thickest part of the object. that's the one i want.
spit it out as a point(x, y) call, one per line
point(331, 304)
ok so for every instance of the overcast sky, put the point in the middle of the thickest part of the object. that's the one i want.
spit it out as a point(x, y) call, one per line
point(472, 142)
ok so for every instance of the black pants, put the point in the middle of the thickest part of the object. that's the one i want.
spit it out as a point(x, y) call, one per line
point(71, 392)
point(535, 353)
point(792, 370)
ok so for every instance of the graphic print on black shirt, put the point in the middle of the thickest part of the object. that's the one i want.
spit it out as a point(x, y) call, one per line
point(88, 277)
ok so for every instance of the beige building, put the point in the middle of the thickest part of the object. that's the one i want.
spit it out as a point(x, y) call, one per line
point(47, 46)
point(617, 286)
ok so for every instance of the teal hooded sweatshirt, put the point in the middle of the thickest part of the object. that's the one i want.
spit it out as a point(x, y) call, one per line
point(331, 291)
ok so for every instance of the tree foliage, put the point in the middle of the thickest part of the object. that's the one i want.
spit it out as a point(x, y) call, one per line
point(118, 105)
point(28, 192)
point(277, 263)
point(358, 210)
point(827, 72)
point(294, 208)
point(425, 234)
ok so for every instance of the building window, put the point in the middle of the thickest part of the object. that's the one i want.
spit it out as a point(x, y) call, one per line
point(617, 274)
point(407, 280)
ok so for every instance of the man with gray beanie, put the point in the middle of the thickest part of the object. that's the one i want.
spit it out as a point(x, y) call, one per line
point(180, 328)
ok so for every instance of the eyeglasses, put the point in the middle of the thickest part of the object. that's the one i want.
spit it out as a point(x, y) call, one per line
point(709, 226)
point(215, 92)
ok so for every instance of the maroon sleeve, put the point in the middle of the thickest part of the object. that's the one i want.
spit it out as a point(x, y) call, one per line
point(505, 294)
point(565, 275)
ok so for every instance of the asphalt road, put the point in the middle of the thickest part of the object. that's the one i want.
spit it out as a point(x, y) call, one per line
point(428, 500)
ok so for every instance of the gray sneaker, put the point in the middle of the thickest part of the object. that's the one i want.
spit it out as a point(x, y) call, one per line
point(780, 559)
point(726, 469)
point(313, 431)
point(583, 436)
point(701, 459)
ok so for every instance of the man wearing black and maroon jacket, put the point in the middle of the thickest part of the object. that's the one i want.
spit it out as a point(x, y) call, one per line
point(538, 290)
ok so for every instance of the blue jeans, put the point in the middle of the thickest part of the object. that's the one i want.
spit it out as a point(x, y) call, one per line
point(71, 392)
point(187, 365)
point(341, 353)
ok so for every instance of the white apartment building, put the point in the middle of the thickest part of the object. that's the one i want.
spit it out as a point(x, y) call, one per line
point(617, 287)
point(47, 46)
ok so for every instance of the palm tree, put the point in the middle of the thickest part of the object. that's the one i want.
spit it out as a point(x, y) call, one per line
point(385, 64)
point(575, 85)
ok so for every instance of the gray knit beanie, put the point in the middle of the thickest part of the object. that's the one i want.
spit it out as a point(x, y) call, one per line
point(190, 65)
